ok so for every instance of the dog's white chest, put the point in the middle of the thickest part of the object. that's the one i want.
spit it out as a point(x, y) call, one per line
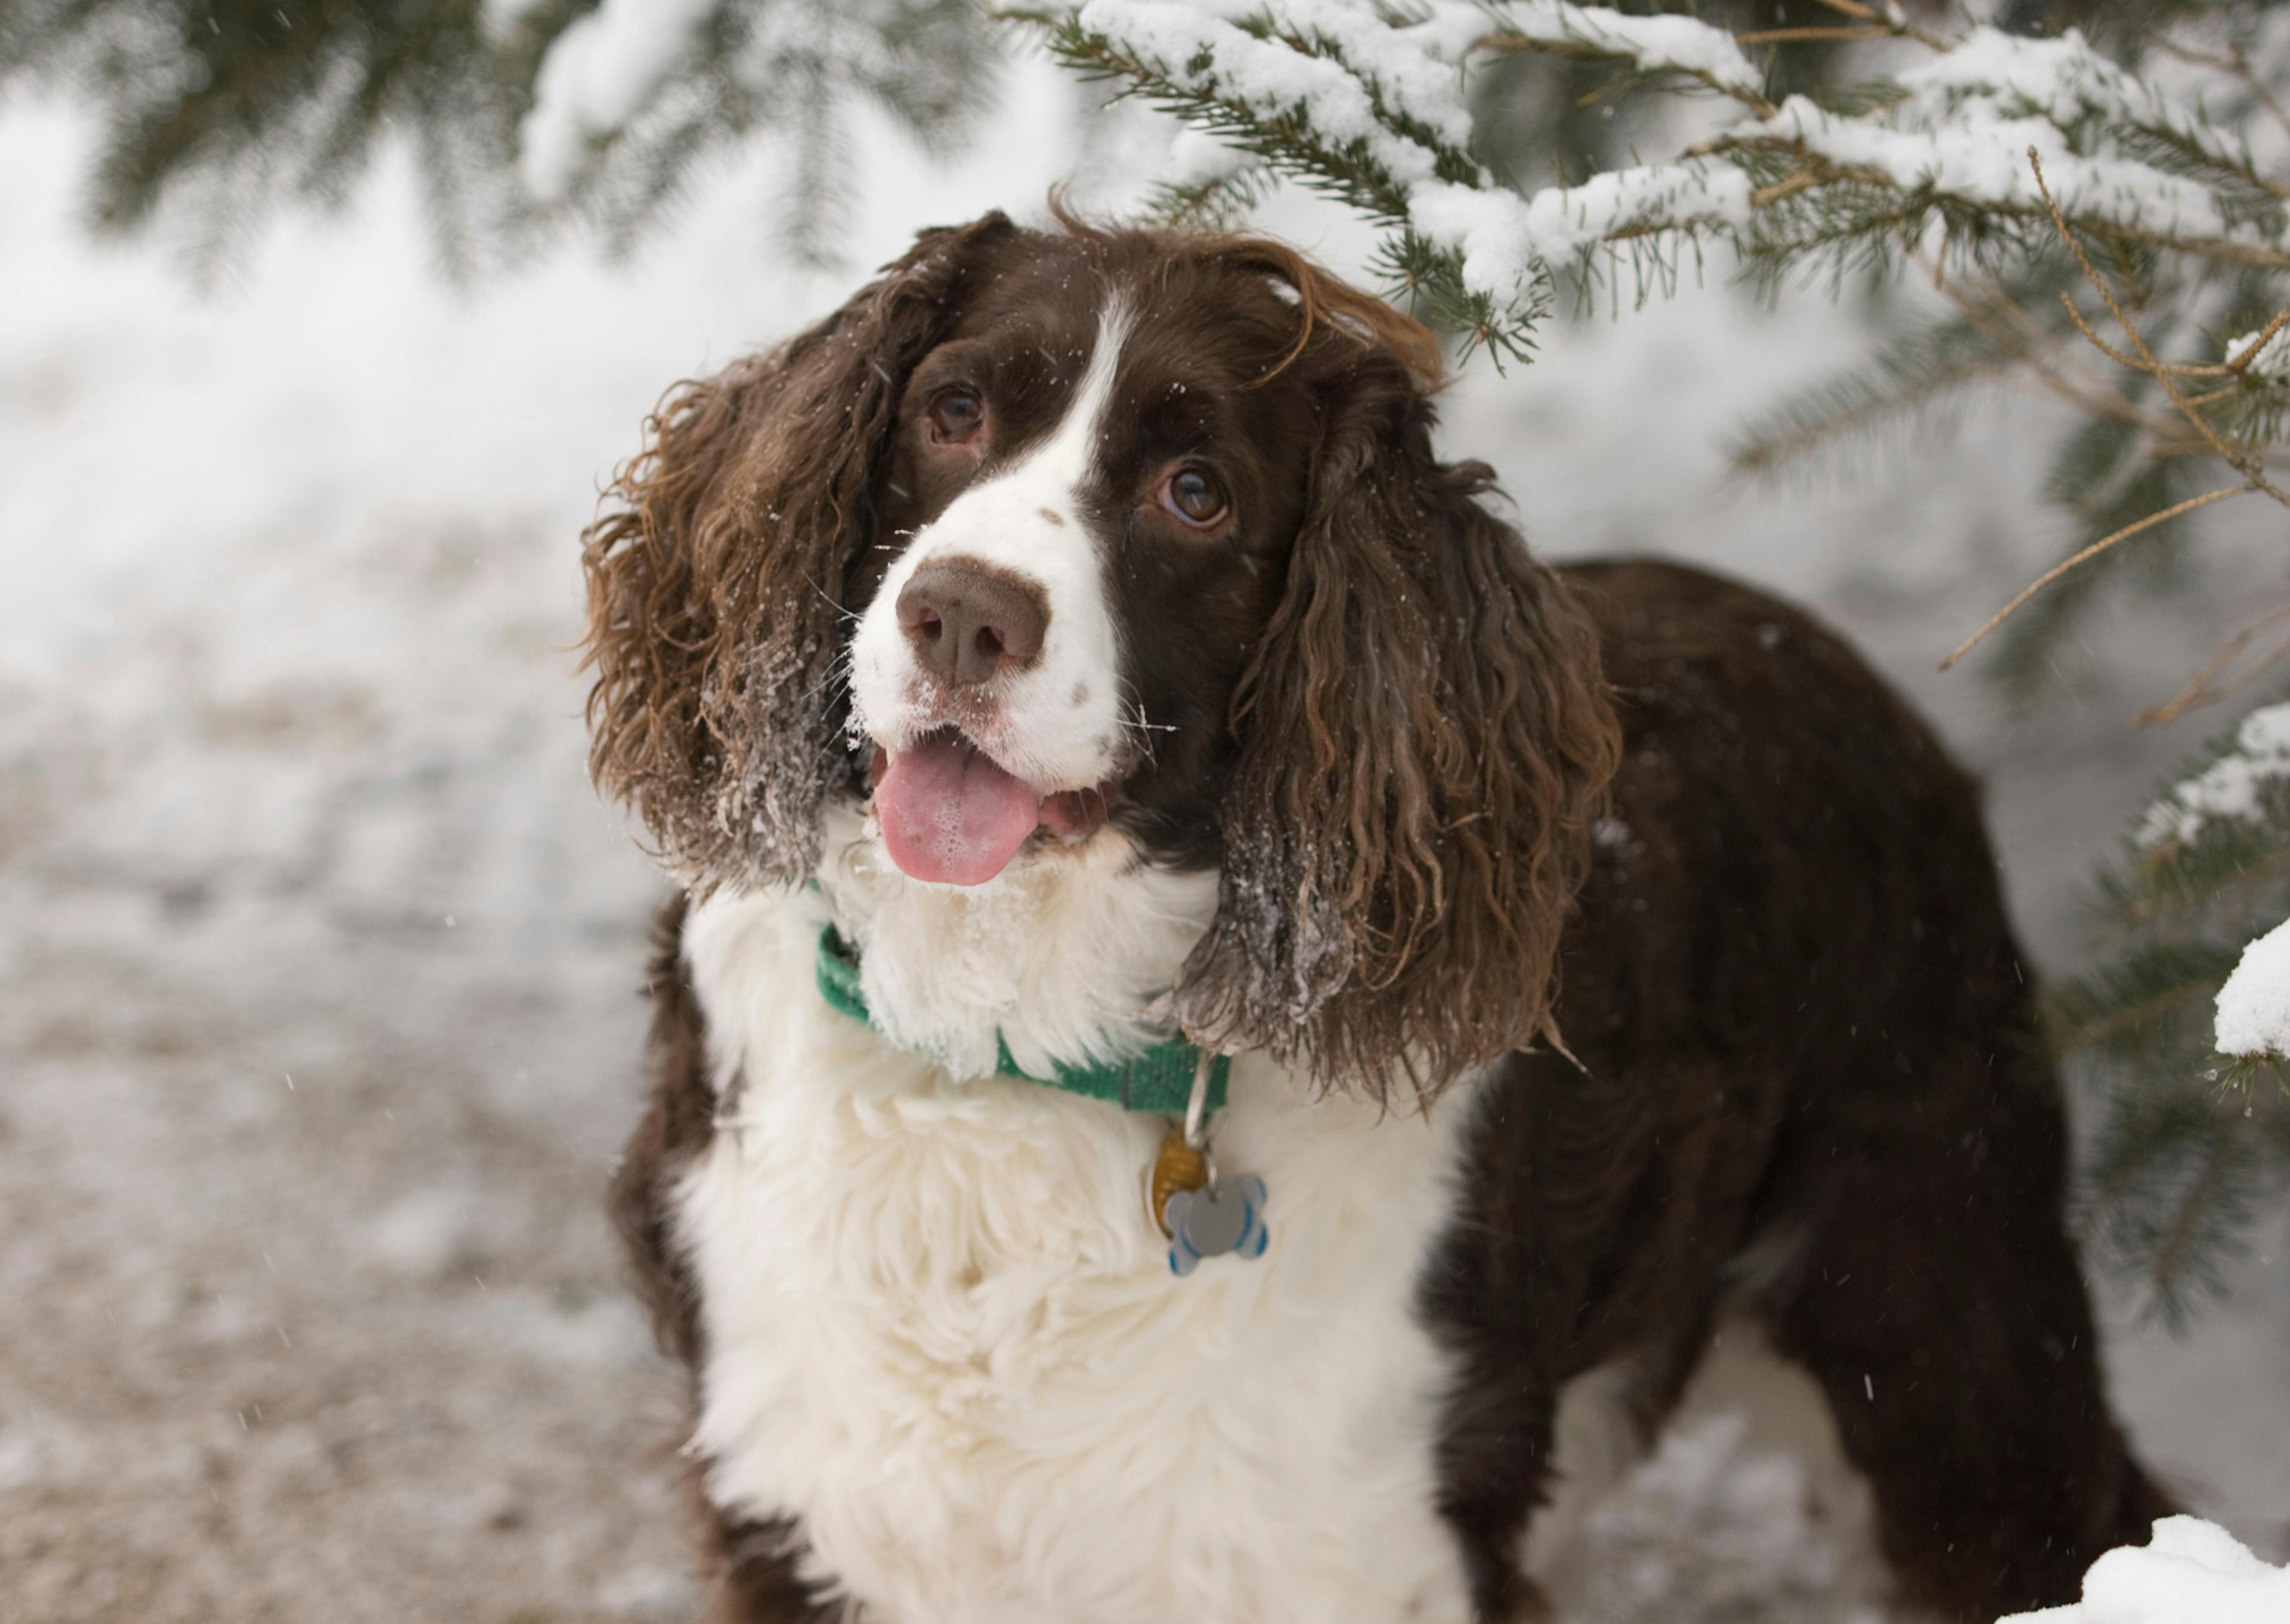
point(941, 1333)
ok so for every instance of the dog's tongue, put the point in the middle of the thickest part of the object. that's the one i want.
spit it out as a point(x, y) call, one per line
point(949, 814)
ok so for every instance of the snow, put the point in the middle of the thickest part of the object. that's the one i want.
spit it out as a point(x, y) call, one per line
point(2254, 1006)
point(1973, 154)
point(2189, 1572)
point(1679, 44)
point(1964, 126)
point(1193, 48)
point(286, 680)
point(598, 74)
point(1415, 69)
point(2228, 788)
point(2060, 79)
point(1503, 238)
point(1759, 1547)
point(2273, 362)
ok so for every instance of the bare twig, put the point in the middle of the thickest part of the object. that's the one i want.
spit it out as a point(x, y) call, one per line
point(1889, 22)
point(2085, 556)
point(2235, 63)
point(1505, 42)
point(2238, 458)
point(2182, 368)
point(1775, 36)
point(2201, 691)
point(2242, 460)
point(2009, 327)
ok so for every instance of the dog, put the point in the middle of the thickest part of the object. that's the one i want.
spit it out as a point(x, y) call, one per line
point(1211, 988)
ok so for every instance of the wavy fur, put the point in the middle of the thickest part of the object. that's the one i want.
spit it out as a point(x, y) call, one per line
point(717, 577)
point(1425, 736)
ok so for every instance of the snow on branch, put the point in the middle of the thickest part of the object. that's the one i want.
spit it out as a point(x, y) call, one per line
point(2254, 1006)
point(2231, 787)
point(1659, 43)
point(1369, 102)
point(627, 94)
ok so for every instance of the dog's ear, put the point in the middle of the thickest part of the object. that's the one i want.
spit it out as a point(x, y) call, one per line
point(717, 575)
point(1424, 736)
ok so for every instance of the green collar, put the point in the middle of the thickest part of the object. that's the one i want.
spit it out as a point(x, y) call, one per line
point(1160, 1079)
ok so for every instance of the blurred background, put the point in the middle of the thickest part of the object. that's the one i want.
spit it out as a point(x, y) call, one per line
point(319, 959)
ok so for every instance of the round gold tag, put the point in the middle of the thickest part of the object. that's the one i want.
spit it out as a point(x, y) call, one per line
point(1178, 1167)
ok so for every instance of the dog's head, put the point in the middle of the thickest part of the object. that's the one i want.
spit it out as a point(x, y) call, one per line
point(1123, 551)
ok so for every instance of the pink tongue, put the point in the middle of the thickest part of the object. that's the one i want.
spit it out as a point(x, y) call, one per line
point(949, 814)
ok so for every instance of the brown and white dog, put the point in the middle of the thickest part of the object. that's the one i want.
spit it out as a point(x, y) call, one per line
point(1080, 623)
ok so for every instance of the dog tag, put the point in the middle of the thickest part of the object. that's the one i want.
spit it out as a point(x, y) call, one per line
point(1179, 1167)
point(1215, 1219)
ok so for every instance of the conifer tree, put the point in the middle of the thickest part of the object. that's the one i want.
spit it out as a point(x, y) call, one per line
point(2107, 214)
point(520, 111)
point(2098, 189)
point(2183, 1027)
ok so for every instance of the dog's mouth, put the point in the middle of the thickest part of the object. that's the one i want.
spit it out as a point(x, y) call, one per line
point(952, 813)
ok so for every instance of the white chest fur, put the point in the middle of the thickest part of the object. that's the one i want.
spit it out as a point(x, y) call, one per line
point(941, 1333)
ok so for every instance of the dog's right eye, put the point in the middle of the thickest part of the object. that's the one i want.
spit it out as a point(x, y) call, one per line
point(955, 414)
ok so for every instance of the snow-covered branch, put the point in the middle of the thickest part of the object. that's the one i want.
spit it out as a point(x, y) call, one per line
point(1372, 103)
point(627, 94)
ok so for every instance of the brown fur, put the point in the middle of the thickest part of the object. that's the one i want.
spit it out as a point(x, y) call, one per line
point(1385, 908)
point(1426, 735)
point(751, 1565)
point(1790, 990)
point(716, 580)
point(1801, 1019)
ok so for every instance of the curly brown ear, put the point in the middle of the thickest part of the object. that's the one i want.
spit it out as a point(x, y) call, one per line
point(1425, 736)
point(718, 575)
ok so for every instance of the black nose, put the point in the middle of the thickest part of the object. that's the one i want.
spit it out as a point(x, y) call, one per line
point(969, 620)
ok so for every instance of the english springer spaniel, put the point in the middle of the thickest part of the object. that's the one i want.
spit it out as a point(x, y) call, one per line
point(1211, 986)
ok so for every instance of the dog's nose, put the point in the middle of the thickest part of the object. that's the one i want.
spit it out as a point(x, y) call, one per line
point(968, 620)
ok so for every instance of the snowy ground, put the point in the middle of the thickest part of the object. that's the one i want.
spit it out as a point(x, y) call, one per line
point(318, 958)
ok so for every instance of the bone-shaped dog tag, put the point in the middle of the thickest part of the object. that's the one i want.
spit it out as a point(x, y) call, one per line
point(1215, 1219)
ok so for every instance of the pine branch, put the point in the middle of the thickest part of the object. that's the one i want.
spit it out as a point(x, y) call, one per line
point(1215, 201)
point(2126, 1008)
point(1902, 383)
point(1371, 164)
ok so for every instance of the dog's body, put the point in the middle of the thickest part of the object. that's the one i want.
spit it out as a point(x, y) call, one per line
point(943, 1368)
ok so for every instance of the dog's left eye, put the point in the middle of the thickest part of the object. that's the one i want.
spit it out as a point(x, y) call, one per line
point(1196, 496)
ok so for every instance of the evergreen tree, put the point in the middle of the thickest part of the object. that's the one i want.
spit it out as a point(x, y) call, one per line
point(520, 110)
point(2183, 1050)
point(2100, 189)
point(2108, 215)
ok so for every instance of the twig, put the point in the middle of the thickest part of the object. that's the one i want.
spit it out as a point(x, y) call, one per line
point(1510, 42)
point(1775, 36)
point(2198, 692)
point(2088, 553)
point(2241, 460)
point(1889, 20)
point(2235, 63)
point(2011, 328)
point(2236, 364)
point(2183, 369)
